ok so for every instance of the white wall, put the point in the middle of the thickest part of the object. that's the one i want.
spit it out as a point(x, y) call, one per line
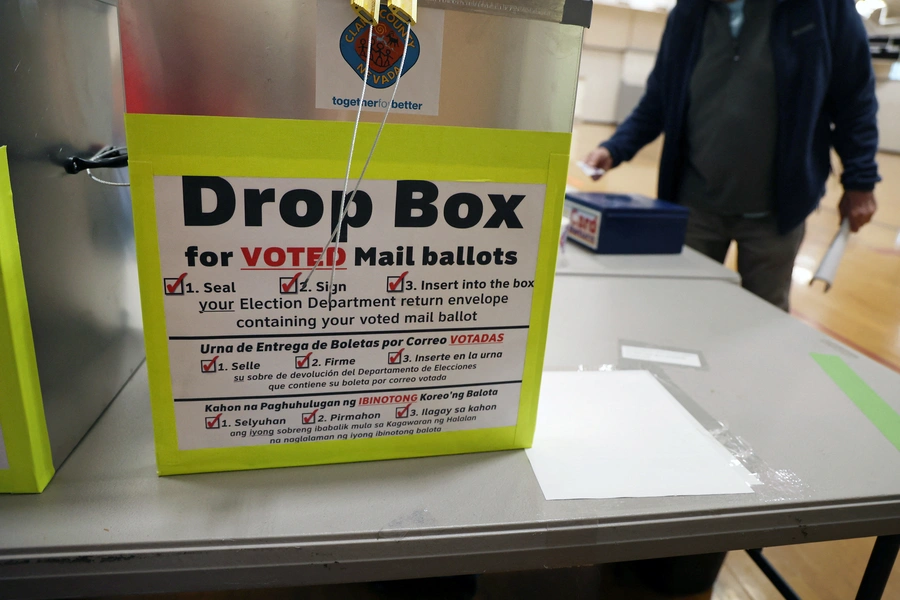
point(598, 88)
point(619, 52)
point(888, 93)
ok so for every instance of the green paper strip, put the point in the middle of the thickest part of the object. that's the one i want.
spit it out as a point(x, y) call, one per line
point(21, 406)
point(870, 403)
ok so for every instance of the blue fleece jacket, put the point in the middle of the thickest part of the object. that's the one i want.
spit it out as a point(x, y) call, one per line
point(826, 98)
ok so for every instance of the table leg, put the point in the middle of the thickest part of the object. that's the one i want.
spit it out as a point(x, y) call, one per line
point(881, 562)
point(783, 587)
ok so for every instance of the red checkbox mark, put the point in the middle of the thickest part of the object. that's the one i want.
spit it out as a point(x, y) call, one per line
point(301, 362)
point(394, 357)
point(171, 288)
point(211, 423)
point(286, 287)
point(209, 365)
point(395, 284)
point(402, 413)
point(310, 417)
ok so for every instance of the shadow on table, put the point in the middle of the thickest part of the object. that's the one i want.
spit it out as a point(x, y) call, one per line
point(575, 583)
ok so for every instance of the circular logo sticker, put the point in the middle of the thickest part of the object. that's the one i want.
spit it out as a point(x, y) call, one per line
point(387, 49)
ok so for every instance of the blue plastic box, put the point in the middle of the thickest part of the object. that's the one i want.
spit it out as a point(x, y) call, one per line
point(625, 223)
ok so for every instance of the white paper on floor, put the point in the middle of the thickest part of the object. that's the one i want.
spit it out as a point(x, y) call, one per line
point(621, 434)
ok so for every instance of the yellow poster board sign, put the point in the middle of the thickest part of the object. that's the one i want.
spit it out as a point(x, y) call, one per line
point(421, 333)
point(25, 461)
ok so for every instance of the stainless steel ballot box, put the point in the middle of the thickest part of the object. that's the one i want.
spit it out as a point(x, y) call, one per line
point(70, 327)
point(282, 330)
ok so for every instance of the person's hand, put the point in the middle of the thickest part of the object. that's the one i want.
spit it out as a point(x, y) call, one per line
point(858, 207)
point(599, 158)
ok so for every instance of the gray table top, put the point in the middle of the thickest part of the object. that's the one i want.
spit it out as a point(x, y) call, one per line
point(690, 264)
point(107, 524)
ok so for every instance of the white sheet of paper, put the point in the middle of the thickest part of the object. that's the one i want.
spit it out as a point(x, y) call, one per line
point(669, 357)
point(621, 434)
point(828, 268)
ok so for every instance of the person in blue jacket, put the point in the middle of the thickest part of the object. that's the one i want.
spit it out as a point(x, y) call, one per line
point(752, 95)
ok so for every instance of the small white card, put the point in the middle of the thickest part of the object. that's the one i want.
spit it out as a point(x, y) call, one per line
point(658, 355)
point(591, 171)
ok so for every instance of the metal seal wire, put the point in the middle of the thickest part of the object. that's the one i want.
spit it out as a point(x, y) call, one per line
point(347, 202)
point(104, 153)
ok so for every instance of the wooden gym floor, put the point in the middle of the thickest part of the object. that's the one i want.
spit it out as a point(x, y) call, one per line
point(862, 310)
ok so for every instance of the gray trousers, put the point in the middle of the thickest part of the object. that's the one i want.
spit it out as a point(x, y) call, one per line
point(765, 257)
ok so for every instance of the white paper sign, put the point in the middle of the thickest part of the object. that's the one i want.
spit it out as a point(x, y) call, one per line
point(669, 357)
point(4, 461)
point(425, 330)
point(341, 50)
point(621, 434)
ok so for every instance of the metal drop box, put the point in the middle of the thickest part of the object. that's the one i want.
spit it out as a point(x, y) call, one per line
point(238, 100)
point(70, 326)
point(625, 223)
